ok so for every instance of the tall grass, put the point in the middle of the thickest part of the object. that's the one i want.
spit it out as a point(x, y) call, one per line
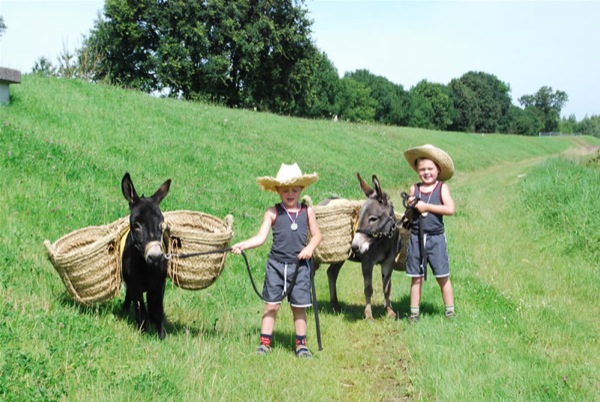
point(524, 329)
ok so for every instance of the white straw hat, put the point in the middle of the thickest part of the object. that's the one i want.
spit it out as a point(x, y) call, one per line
point(428, 151)
point(287, 176)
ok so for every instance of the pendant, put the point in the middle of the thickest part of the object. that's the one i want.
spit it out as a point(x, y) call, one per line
point(294, 226)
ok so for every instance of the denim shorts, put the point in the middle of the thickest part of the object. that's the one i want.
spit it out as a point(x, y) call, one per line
point(437, 256)
point(278, 279)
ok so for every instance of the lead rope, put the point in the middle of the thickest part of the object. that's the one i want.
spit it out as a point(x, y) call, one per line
point(283, 296)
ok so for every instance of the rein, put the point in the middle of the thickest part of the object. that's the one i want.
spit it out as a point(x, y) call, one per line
point(188, 255)
point(410, 206)
point(228, 249)
point(283, 296)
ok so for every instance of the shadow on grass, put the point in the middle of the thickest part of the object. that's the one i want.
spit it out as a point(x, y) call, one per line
point(426, 308)
point(115, 307)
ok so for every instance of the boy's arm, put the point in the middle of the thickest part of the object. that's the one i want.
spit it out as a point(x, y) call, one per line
point(315, 236)
point(260, 237)
point(447, 208)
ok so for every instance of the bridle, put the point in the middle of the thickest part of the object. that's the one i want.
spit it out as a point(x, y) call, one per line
point(381, 230)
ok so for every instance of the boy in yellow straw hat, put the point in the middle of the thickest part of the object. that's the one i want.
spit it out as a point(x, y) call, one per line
point(291, 222)
point(434, 167)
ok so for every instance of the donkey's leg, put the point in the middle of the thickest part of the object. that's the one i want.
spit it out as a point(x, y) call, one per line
point(332, 275)
point(136, 296)
point(156, 310)
point(367, 271)
point(127, 301)
point(141, 315)
point(386, 278)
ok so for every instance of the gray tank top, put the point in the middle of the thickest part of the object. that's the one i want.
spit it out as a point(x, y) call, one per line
point(288, 243)
point(433, 224)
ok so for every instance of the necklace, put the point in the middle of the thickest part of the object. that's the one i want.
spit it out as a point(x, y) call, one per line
point(429, 198)
point(294, 225)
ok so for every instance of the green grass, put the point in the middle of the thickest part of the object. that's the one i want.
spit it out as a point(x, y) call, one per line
point(523, 244)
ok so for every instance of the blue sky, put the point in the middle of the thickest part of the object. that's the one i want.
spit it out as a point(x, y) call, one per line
point(526, 44)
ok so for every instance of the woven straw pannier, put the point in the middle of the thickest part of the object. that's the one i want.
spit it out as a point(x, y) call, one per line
point(88, 261)
point(190, 232)
point(336, 222)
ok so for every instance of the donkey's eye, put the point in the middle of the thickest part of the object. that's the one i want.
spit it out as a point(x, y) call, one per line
point(373, 219)
point(137, 227)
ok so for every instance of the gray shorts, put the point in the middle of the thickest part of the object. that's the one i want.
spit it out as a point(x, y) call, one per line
point(437, 256)
point(278, 278)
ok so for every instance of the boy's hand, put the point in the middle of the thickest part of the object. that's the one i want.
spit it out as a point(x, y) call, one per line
point(305, 254)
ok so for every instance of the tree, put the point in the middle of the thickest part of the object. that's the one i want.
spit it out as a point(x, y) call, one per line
point(391, 99)
point(481, 101)
point(2, 26)
point(246, 53)
point(355, 101)
point(431, 106)
point(547, 105)
point(522, 121)
point(323, 90)
point(568, 125)
point(43, 67)
point(589, 126)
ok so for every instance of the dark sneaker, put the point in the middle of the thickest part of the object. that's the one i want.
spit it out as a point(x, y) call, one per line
point(263, 349)
point(413, 318)
point(302, 351)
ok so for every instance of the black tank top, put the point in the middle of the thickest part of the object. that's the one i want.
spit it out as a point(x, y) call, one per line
point(432, 223)
point(288, 243)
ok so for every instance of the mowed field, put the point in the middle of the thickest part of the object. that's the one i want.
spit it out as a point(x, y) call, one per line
point(523, 246)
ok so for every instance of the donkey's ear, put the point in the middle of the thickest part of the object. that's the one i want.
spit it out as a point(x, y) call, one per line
point(162, 192)
point(377, 186)
point(378, 192)
point(128, 190)
point(365, 187)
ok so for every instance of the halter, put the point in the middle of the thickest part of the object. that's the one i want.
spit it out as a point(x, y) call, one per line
point(380, 230)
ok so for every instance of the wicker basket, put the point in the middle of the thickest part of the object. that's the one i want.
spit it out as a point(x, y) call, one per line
point(191, 232)
point(335, 222)
point(88, 261)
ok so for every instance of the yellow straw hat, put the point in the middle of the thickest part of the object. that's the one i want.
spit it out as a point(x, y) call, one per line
point(287, 176)
point(428, 151)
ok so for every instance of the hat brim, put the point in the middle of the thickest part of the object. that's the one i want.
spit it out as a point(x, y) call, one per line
point(271, 183)
point(441, 158)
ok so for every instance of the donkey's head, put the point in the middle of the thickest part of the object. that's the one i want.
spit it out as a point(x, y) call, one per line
point(146, 220)
point(376, 221)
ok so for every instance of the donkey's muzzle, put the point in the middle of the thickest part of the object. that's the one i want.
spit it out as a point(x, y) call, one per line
point(360, 243)
point(153, 252)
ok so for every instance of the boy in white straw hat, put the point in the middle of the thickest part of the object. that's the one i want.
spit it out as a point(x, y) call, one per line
point(434, 167)
point(291, 250)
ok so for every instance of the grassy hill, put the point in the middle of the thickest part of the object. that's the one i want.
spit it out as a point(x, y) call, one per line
point(523, 245)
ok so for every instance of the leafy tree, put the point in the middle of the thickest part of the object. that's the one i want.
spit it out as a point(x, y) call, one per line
point(568, 125)
point(127, 38)
point(431, 106)
point(355, 101)
point(42, 66)
point(2, 26)
point(522, 121)
point(481, 101)
point(547, 105)
point(589, 126)
point(246, 53)
point(323, 91)
point(392, 101)
point(420, 112)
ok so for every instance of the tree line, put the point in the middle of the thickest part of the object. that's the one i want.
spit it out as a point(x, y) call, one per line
point(259, 54)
